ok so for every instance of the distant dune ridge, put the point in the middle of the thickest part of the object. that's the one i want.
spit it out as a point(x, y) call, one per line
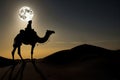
point(7, 62)
point(83, 62)
point(81, 52)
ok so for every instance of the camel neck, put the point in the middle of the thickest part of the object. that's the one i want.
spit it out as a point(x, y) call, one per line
point(45, 38)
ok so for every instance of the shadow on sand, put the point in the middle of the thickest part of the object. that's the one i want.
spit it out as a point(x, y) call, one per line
point(17, 74)
point(39, 71)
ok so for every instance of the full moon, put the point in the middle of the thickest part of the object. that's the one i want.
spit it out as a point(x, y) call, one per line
point(26, 13)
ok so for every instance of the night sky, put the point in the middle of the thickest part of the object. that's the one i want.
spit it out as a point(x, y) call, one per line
point(75, 22)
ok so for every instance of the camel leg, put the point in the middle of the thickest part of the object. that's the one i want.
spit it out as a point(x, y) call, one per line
point(19, 53)
point(13, 52)
point(33, 46)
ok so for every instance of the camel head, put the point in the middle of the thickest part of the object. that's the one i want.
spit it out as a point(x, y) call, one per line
point(50, 32)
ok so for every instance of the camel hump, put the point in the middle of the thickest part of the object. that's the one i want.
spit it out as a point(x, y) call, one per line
point(28, 34)
point(22, 31)
point(20, 35)
point(30, 31)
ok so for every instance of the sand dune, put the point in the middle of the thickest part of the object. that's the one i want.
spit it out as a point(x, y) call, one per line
point(85, 62)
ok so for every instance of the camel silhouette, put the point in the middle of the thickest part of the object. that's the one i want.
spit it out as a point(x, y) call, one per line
point(29, 37)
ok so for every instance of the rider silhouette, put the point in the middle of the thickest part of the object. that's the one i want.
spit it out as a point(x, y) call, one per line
point(29, 25)
point(28, 29)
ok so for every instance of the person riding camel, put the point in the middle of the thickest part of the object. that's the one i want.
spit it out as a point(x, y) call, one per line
point(28, 37)
point(28, 30)
point(29, 25)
